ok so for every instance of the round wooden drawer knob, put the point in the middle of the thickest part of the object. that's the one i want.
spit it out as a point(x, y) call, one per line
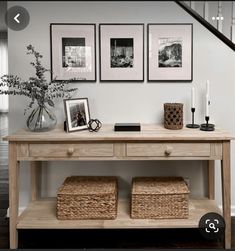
point(70, 151)
point(168, 151)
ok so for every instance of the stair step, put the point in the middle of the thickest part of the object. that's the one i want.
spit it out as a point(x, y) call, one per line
point(4, 202)
point(4, 222)
point(4, 197)
point(3, 143)
point(3, 174)
point(4, 160)
point(4, 166)
point(3, 213)
point(4, 187)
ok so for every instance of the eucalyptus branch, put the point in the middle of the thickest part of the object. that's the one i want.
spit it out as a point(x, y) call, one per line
point(36, 88)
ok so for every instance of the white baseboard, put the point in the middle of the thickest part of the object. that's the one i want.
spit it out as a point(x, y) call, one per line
point(21, 209)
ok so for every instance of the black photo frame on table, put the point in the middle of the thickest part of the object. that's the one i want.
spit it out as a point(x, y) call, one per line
point(73, 51)
point(77, 114)
point(170, 52)
point(121, 52)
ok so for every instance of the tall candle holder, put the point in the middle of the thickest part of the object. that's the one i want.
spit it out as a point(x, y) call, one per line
point(207, 126)
point(193, 126)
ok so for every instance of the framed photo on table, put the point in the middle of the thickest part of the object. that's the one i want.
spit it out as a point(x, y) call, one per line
point(170, 52)
point(77, 114)
point(121, 52)
point(73, 52)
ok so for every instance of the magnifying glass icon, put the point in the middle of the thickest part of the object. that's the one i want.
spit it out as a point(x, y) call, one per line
point(212, 225)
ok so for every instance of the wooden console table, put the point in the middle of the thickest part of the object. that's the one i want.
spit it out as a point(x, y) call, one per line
point(152, 143)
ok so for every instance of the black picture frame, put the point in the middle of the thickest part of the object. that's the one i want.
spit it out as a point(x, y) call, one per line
point(73, 108)
point(137, 75)
point(169, 74)
point(89, 74)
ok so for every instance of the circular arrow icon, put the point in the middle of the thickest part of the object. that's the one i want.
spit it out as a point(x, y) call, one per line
point(17, 18)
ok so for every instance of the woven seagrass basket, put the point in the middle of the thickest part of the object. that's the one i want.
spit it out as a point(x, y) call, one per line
point(87, 197)
point(159, 198)
point(173, 116)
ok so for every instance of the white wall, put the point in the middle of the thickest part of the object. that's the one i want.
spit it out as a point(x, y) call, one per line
point(142, 102)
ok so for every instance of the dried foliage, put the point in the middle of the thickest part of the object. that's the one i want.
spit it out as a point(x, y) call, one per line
point(37, 88)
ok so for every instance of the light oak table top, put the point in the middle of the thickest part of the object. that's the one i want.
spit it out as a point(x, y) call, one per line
point(106, 133)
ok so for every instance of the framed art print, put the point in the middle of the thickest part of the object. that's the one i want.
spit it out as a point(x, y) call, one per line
point(73, 52)
point(170, 52)
point(77, 114)
point(121, 52)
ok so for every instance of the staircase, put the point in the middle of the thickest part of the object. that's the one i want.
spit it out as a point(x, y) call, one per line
point(216, 16)
point(4, 202)
point(3, 165)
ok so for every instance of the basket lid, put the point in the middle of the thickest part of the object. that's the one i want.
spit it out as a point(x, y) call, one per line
point(159, 185)
point(87, 185)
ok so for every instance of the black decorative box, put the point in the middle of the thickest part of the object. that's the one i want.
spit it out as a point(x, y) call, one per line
point(122, 127)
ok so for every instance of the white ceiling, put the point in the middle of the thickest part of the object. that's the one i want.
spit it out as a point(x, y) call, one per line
point(3, 7)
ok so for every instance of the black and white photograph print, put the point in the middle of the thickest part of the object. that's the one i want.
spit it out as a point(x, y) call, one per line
point(73, 52)
point(77, 114)
point(170, 52)
point(122, 52)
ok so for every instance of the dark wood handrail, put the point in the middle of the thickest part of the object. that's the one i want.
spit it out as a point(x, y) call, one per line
point(206, 24)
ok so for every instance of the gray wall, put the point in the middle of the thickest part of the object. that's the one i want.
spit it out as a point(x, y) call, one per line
point(142, 102)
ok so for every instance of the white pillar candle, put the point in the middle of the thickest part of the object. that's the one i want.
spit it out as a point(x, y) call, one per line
point(193, 97)
point(207, 88)
point(207, 97)
point(207, 105)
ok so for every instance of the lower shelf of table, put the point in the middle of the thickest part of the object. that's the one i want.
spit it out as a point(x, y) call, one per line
point(42, 215)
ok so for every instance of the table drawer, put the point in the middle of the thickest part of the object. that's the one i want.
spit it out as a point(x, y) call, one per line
point(71, 150)
point(168, 149)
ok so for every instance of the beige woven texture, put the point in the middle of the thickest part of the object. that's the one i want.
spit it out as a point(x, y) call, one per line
point(173, 116)
point(159, 198)
point(87, 197)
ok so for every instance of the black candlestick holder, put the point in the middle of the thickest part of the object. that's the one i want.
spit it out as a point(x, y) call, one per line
point(207, 126)
point(193, 126)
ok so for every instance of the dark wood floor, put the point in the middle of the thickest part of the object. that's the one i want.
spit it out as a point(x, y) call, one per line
point(146, 238)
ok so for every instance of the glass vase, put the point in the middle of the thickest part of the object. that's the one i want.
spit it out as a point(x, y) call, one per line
point(41, 119)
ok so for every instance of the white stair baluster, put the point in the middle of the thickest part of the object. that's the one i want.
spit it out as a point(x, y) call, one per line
point(192, 5)
point(206, 10)
point(233, 23)
point(219, 16)
point(187, 2)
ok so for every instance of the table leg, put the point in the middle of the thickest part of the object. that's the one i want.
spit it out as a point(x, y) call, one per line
point(13, 194)
point(226, 192)
point(35, 179)
point(211, 179)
